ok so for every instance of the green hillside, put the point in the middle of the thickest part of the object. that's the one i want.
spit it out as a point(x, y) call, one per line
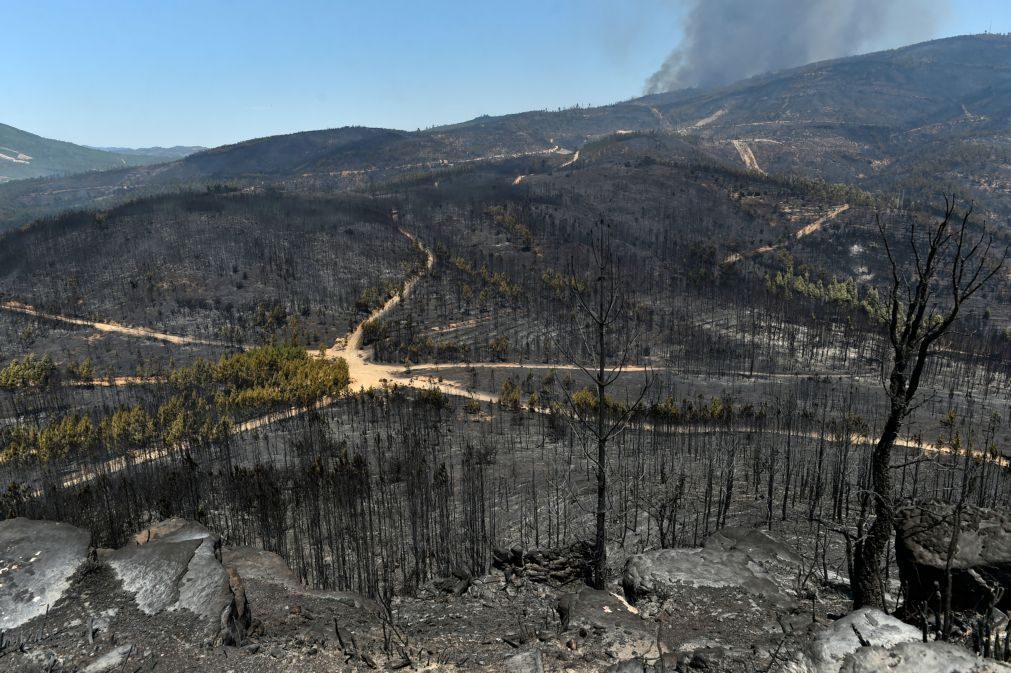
point(26, 155)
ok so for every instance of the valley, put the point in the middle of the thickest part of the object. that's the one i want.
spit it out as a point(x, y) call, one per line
point(571, 391)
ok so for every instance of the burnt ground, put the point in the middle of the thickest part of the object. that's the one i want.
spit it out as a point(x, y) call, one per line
point(493, 619)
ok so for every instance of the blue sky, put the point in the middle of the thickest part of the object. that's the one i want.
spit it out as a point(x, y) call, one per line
point(208, 72)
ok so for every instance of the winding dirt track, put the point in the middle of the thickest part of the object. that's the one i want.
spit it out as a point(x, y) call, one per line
point(365, 374)
point(111, 327)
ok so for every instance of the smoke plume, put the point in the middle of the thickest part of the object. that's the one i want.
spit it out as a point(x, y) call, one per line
point(728, 40)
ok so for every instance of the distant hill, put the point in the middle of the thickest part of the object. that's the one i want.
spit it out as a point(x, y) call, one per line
point(167, 153)
point(26, 155)
point(888, 120)
point(910, 122)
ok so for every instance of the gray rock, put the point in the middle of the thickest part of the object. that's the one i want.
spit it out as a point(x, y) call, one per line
point(259, 564)
point(524, 662)
point(110, 660)
point(610, 622)
point(179, 568)
point(264, 566)
point(734, 557)
point(756, 543)
point(982, 559)
point(874, 626)
point(833, 647)
point(152, 572)
point(707, 658)
point(37, 560)
point(590, 608)
point(920, 658)
point(627, 666)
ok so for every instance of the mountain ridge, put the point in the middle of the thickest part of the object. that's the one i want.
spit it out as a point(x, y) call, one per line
point(26, 155)
point(174, 152)
point(877, 121)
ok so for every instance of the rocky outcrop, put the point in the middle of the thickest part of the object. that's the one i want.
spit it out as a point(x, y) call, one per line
point(178, 566)
point(591, 608)
point(981, 563)
point(112, 660)
point(552, 566)
point(606, 621)
point(734, 557)
point(920, 658)
point(868, 641)
point(830, 648)
point(37, 561)
point(524, 662)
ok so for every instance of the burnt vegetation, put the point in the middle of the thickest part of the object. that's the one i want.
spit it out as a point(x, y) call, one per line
point(774, 344)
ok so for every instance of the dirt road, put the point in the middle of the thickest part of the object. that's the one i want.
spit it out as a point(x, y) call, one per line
point(806, 230)
point(367, 374)
point(364, 373)
point(747, 156)
point(817, 224)
point(574, 159)
point(111, 327)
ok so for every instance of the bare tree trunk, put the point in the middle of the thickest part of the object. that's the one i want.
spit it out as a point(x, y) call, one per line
point(926, 296)
point(867, 579)
point(603, 316)
point(600, 536)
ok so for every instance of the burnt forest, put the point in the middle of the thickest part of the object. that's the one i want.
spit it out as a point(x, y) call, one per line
point(717, 379)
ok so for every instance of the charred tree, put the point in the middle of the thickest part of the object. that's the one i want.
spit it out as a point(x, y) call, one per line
point(948, 265)
point(608, 336)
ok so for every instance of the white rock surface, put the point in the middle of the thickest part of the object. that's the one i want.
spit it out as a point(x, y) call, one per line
point(152, 572)
point(920, 658)
point(895, 647)
point(177, 566)
point(831, 647)
point(734, 557)
point(524, 662)
point(37, 560)
point(110, 660)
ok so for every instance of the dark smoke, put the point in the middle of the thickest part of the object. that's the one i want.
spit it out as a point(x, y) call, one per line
point(728, 40)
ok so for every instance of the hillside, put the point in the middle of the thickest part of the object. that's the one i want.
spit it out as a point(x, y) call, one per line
point(912, 121)
point(414, 394)
point(175, 152)
point(26, 155)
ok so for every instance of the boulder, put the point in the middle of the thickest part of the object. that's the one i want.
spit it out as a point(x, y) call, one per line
point(981, 563)
point(868, 641)
point(456, 585)
point(609, 622)
point(111, 660)
point(180, 568)
point(37, 561)
point(920, 658)
point(258, 565)
point(524, 662)
point(830, 648)
point(592, 608)
point(733, 557)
